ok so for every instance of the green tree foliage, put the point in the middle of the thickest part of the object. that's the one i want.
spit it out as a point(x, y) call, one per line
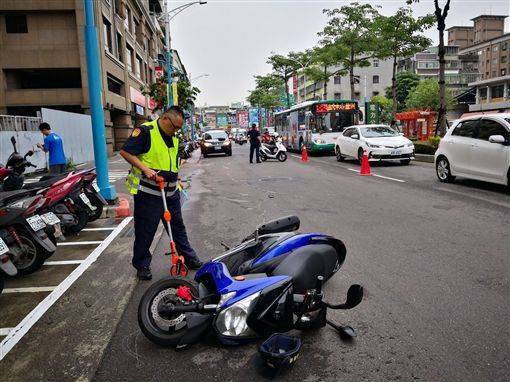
point(385, 105)
point(267, 91)
point(400, 35)
point(187, 93)
point(352, 26)
point(405, 82)
point(426, 96)
point(284, 67)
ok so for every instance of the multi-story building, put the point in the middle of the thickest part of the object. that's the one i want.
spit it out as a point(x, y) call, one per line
point(369, 81)
point(43, 64)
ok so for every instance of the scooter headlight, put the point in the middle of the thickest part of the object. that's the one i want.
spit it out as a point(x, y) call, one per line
point(232, 321)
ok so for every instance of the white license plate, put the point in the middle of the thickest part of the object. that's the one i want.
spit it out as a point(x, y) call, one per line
point(217, 147)
point(36, 222)
point(50, 218)
point(95, 186)
point(86, 200)
point(3, 247)
point(395, 152)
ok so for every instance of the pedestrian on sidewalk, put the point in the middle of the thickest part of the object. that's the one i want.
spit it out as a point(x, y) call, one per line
point(153, 150)
point(55, 147)
point(254, 136)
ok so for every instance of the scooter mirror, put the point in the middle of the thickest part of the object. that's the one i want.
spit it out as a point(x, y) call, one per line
point(29, 154)
point(354, 296)
point(13, 141)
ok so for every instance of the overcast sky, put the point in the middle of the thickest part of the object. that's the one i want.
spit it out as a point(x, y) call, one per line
point(231, 39)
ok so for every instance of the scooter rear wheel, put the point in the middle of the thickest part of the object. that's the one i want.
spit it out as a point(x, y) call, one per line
point(164, 331)
point(33, 255)
point(83, 219)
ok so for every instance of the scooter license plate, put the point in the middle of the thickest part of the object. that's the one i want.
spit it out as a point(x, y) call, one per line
point(50, 218)
point(86, 200)
point(95, 186)
point(36, 222)
point(3, 247)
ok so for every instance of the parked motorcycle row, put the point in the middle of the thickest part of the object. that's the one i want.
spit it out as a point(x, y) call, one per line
point(34, 216)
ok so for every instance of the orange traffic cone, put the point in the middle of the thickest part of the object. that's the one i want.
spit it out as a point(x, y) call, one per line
point(365, 166)
point(304, 154)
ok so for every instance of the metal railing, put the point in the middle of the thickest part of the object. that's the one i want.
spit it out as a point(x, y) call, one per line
point(19, 123)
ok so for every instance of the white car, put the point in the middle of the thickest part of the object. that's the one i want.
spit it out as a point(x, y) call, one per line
point(380, 141)
point(476, 148)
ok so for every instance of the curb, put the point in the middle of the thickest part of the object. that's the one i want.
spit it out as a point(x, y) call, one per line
point(424, 158)
point(121, 209)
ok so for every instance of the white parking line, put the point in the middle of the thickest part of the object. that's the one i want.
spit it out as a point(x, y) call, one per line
point(381, 176)
point(24, 326)
point(69, 243)
point(63, 262)
point(5, 331)
point(98, 229)
point(29, 289)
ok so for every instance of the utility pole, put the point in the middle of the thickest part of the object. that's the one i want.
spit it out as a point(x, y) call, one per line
point(96, 102)
point(168, 57)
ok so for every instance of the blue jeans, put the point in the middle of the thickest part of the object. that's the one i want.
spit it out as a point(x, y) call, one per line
point(147, 215)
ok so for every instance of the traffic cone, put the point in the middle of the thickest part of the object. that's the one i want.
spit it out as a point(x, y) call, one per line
point(304, 154)
point(365, 166)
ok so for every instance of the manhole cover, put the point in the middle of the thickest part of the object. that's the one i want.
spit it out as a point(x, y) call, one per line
point(274, 179)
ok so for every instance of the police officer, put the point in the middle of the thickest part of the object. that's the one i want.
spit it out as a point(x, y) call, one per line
point(152, 150)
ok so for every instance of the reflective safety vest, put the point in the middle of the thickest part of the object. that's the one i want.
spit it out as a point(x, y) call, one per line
point(160, 157)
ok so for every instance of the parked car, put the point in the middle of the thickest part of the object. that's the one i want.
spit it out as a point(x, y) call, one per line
point(380, 141)
point(477, 148)
point(215, 142)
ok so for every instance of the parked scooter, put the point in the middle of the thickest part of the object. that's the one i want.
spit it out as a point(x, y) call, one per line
point(276, 151)
point(271, 282)
point(23, 231)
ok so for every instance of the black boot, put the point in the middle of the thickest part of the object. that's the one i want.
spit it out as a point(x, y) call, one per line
point(144, 274)
point(193, 263)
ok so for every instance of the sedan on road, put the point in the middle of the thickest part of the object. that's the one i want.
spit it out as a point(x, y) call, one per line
point(381, 142)
point(476, 148)
point(215, 142)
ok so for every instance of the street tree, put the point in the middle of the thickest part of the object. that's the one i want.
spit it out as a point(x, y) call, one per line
point(325, 64)
point(400, 35)
point(267, 92)
point(426, 96)
point(284, 67)
point(440, 14)
point(405, 83)
point(186, 93)
point(385, 106)
point(352, 26)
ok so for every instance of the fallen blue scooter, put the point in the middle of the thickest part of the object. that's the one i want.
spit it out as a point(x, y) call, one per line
point(271, 282)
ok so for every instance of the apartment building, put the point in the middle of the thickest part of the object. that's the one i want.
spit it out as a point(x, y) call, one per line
point(369, 81)
point(43, 63)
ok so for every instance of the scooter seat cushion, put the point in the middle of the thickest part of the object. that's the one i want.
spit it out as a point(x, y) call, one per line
point(44, 184)
point(7, 197)
point(305, 264)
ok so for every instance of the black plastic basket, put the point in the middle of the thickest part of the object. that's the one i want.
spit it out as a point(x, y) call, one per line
point(280, 350)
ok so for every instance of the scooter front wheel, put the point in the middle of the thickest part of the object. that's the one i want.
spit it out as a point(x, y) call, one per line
point(164, 330)
point(282, 156)
point(263, 157)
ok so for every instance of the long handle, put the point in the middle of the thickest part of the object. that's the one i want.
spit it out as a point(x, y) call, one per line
point(166, 214)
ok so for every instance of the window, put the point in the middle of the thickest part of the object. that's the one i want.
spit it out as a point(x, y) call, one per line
point(129, 58)
point(486, 128)
point(349, 132)
point(497, 91)
point(376, 63)
point(375, 79)
point(151, 78)
point(375, 92)
point(138, 67)
point(503, 59)
point(120, 48)
point(127, 21)
point(503, 72)
point(114, 84)
point(338, 95)
point(495, 48)
point(16, 23)
point(493, 73)
point(145, 72)
point(107, 34)
point(338, 80)
point(357, 79)
point(494, 61)
point(504, 45)
point(465, 129)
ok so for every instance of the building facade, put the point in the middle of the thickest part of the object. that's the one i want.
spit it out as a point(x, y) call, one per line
point(43, 63)
point(369, 81)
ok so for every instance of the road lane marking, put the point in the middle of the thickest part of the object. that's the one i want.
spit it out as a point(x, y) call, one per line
point(63, 262)
point(468, 195)
point(16, 334)
point(5, 331)
point(29, 289)
point(98, 229)
point(68, 243)
point(381, 176)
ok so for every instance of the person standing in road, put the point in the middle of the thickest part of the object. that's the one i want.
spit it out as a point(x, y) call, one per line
point(254, 136)
point(153, 150)
point(55, 147)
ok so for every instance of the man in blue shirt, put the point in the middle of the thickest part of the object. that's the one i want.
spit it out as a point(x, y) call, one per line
point(54, 146)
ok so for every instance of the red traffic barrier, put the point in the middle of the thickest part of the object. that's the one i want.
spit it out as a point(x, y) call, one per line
point(304, 154)
point(365, 165)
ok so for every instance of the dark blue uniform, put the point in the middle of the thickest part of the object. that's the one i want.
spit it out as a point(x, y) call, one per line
point(254, 135)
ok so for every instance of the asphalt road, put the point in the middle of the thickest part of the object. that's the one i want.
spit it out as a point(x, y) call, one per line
point(433, 259)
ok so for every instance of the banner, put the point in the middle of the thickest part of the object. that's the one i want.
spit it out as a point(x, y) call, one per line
point(174, 93)
point(232, 119)
point(243, 119)
point(295, 85)
point(254, 116)
point(221, 120)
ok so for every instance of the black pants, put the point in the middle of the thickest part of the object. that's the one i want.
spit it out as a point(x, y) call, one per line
point(57, 168)
point(147, 215)
point(257, 153)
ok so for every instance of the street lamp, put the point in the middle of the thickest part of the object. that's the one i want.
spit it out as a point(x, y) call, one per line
point(169, 15)
point(193, 105)
point(303, 67)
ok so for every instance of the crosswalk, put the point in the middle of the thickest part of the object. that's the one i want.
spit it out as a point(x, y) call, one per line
point(113, 176)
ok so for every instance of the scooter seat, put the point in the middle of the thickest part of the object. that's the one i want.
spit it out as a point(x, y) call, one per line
point(305, 264)
point(37, 185)
point(7, 197)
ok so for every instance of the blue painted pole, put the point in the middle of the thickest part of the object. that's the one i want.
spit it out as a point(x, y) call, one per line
point(96, 104)
point(170, 94)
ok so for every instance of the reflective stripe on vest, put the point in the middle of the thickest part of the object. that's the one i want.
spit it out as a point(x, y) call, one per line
point(159, 157)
